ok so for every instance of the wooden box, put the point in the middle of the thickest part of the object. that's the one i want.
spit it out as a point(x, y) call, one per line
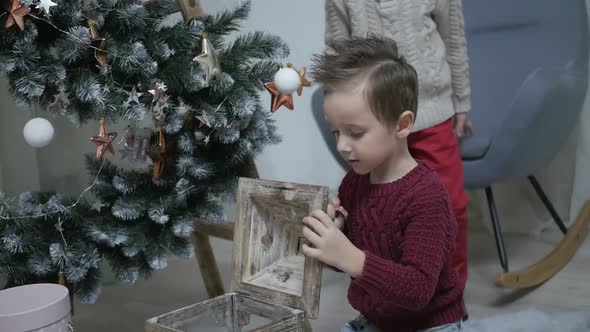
point(274, 286)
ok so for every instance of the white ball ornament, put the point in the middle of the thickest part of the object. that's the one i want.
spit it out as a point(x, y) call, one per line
point(38, 132)
point(287, 80)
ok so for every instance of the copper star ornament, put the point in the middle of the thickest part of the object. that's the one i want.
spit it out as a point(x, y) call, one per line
point(278, 98)
point(303, 81)
point(158, 153)
point(99, 43)
point(210, 59)
point(103, 141)
point(16, 14)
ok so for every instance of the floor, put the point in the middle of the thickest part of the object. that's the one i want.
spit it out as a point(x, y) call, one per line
point(125, 308)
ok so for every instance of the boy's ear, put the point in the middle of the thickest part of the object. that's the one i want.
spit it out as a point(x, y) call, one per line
point(404, 125)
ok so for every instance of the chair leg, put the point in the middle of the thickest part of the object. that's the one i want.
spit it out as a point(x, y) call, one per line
point(548, 204)
point(497, 229)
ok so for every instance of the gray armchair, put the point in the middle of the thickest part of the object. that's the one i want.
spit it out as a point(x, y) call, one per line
point(529, 73)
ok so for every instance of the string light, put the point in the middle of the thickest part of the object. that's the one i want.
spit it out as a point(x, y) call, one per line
point(47, 214)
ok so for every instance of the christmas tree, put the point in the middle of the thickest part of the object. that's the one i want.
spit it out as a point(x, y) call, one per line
point(102, 61)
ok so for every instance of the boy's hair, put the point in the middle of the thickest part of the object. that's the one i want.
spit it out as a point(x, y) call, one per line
point(390, 82)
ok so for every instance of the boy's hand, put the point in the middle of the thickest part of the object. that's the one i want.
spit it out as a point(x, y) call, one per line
point(337, 212)
point(330, 245)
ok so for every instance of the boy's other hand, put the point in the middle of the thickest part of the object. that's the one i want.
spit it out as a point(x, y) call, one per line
point(329, 245)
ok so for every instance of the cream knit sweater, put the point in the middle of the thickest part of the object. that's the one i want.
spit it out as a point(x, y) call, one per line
point(429, 34)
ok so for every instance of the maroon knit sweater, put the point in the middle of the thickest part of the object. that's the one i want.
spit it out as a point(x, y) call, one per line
point(407, 230)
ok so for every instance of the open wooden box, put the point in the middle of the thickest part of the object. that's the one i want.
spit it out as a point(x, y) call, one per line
point(274, 286)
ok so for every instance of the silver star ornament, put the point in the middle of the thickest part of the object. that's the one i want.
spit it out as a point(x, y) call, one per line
point(46, 5)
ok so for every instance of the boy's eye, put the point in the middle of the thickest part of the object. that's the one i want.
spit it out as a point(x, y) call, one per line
point(335, 132)
point(358, 134)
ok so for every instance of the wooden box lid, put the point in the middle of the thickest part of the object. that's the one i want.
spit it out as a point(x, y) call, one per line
point(267, 261)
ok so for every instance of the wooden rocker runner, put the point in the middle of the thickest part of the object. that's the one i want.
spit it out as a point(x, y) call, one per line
point(551, 264)
point(556, 260)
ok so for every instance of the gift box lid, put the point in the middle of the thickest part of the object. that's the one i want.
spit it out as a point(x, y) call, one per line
point(268, 263)
point(32, 307)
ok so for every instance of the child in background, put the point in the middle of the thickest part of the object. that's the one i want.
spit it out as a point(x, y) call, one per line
point(399, 235)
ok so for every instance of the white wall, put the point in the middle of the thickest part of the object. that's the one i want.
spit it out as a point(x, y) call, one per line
point(581, 188)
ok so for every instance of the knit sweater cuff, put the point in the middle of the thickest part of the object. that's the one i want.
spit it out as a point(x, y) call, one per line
point(374, 271)
point(461, 104)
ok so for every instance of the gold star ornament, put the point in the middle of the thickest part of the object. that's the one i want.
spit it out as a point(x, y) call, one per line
point(99, 43)
point(210, 59)
point(303, 81)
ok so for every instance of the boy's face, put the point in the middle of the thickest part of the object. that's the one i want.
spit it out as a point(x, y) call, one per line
point(367, 144)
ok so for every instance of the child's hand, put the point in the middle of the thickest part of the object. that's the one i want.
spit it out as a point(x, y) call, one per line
point(463, 125)
point(330, 245)
point(337, 212)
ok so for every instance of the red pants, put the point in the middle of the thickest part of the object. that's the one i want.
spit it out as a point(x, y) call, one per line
point(439, 147)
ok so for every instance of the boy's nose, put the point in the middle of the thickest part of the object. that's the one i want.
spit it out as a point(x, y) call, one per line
point(343, 147)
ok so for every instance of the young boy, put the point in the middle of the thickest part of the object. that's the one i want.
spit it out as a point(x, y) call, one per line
point(430, 35)
point(398, 237)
